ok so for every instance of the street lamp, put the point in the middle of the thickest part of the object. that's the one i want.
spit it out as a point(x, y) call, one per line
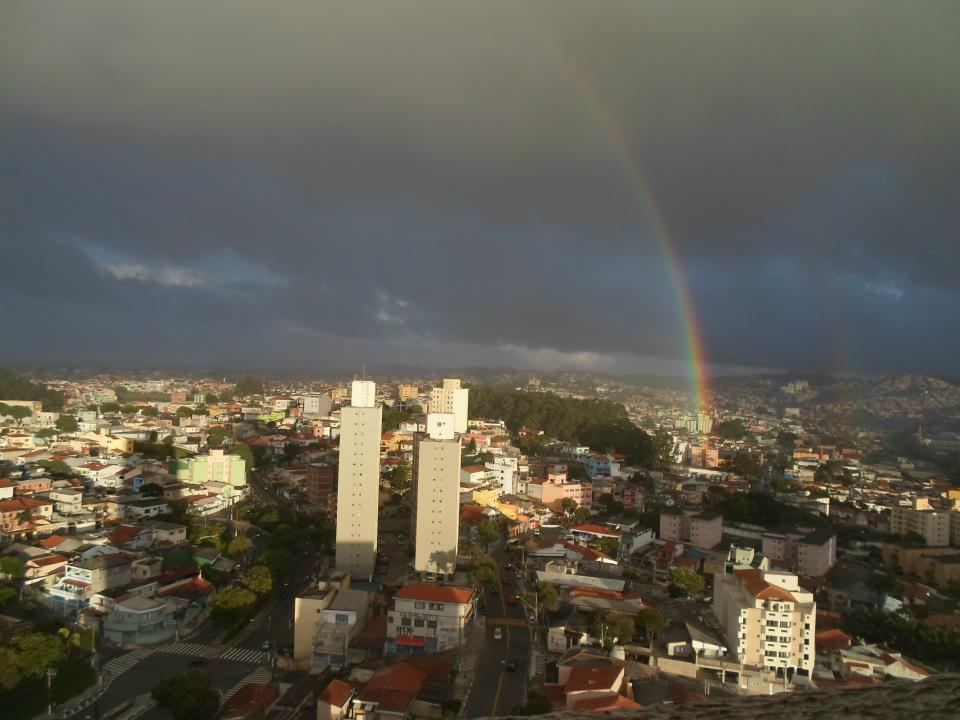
point(51, 673)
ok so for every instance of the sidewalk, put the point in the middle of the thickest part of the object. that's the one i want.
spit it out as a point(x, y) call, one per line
point(474, 637)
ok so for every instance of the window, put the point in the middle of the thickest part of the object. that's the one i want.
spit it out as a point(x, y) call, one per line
point(419, 605)
point(342, 618)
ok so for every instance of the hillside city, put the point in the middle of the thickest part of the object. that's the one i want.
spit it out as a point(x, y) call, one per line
point(485, 543)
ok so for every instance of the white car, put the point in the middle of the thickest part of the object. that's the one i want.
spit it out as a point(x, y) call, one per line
point(498, 633)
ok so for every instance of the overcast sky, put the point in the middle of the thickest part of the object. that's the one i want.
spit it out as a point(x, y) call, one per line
point(317, 185)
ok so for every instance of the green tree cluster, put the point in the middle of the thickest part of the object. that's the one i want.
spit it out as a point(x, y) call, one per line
point(537, 704)
point(598, 423)
point(67, 424)
point(934, 644)
point(14, 387)
point(611, 627)
point(730, 430)
point(18, 412)
point(188, 696)
point(756, 508)
point(29, 655)
point(683, 582)
point(248, 385)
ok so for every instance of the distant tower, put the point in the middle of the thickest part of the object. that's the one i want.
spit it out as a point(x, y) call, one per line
point(358, 488)
point(435, 524)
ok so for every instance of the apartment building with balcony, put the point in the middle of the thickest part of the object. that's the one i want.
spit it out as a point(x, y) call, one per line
point(83, 579)
point(768, 619)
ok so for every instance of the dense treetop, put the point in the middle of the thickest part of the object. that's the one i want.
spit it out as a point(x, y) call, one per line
point(14, 387)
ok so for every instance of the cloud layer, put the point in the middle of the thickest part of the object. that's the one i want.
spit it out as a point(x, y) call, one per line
point(320, 184)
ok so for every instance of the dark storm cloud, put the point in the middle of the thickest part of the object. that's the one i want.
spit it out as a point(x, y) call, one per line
point(323, 183)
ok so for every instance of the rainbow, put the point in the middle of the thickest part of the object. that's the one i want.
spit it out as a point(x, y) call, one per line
point(693, 336)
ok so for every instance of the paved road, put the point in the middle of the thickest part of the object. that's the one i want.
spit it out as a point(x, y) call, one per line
point(497, 689)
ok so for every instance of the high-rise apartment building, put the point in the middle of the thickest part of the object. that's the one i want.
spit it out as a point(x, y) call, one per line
point(451, 399)
point(358, 485)
point(768, 619)
point(407, 392)
point(435, 524)
point(933, 524)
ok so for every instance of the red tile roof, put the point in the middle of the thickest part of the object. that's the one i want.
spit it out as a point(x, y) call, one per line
point(394, 687)
point(52, 541)
point(251, 699)
point(596, 530)
point(760, 589)
point(582, 679)
point(124, 534)
point(435, 593)
point(48, 560)
point(832, 639)
point(336, 693)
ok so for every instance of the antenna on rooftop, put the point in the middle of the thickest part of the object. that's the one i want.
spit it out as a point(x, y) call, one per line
point(364, 366)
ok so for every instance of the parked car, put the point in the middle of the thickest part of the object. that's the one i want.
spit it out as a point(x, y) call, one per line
point(498, 633)
point(512, 600)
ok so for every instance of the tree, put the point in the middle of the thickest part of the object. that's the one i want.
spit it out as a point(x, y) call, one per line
point(786, 439)
point(152, 490)
point(488, 532)
point(546, 597)
point(7, 595)
point(662, 449)
point(248, 385)
point(238, 546)
point(17, 412)
point(258, 579)
point(400, 478)
point(210, 399)
point(216, 436)
point(291, 451)
point(9, 672)
point(610, 627)
point(188, 696)
point(581, 514)
point(537, 704)
point(46, 433)
point(730, 430)
point(231, 604)
point(683, 582)
point(11, 566)
point(67, 424)
point(568, 505)
point(149, 411)
point(110, 407)
point(38, 651)
point(484, 575)
point(184, 412)
point(652, 621)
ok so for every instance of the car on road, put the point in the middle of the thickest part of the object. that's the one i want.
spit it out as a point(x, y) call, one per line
point(494, 590)
point(498, 633)
point(508, 566)
point(198, 662)
point(511, 666)
point(266, 645)
point(512, 600)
